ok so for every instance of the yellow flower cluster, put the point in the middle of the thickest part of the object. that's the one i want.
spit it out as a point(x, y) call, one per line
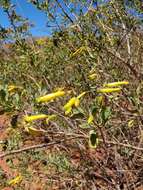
point(47, 98)
point(33, 131)
point(74, 101)
point(117, 86)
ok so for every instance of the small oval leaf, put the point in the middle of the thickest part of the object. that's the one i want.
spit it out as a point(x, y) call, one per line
point(93, 139)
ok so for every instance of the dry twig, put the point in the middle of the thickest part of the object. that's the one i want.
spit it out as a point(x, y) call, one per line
point(43, 145)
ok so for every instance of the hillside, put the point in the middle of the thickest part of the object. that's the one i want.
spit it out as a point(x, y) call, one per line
point(71, 104)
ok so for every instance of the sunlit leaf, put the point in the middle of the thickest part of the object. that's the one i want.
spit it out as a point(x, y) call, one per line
point(90, 118)
point(12, 88)
point(105, 114)
point(35, 132)
point(77, 114)
point(84, 126)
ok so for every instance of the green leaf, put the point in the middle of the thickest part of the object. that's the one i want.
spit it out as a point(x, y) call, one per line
point(2, 95)
point(105, 114)
point(77, 113)
point(93, 139)
point(84, 126)
point(94, 110)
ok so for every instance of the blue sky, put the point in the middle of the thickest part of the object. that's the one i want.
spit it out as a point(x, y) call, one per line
point(37, 17)
point(27, 10)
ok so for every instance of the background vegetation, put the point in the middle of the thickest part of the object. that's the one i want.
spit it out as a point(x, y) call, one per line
point(93, 43)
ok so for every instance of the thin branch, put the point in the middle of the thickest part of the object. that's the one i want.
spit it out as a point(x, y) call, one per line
point(11, 21)
point(124, 145)
point(127, 34)
point(59, 4)
point(89, 7)
point(39, 146)
point(127, 64)
point(52, 109)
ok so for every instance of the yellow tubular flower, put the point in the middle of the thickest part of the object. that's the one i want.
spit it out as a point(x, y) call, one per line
point(77, 102)
point(116, 83)
point(13, 87)
point(78, 51)
point(90, 119)
point(50, 97)
point(92, 76)
point(100, 100)
point(16, 180)
point(68, 111)
point(82, 94)
point(108, 90)
point(131, 123)
point(35, 117)
point(70, 103)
